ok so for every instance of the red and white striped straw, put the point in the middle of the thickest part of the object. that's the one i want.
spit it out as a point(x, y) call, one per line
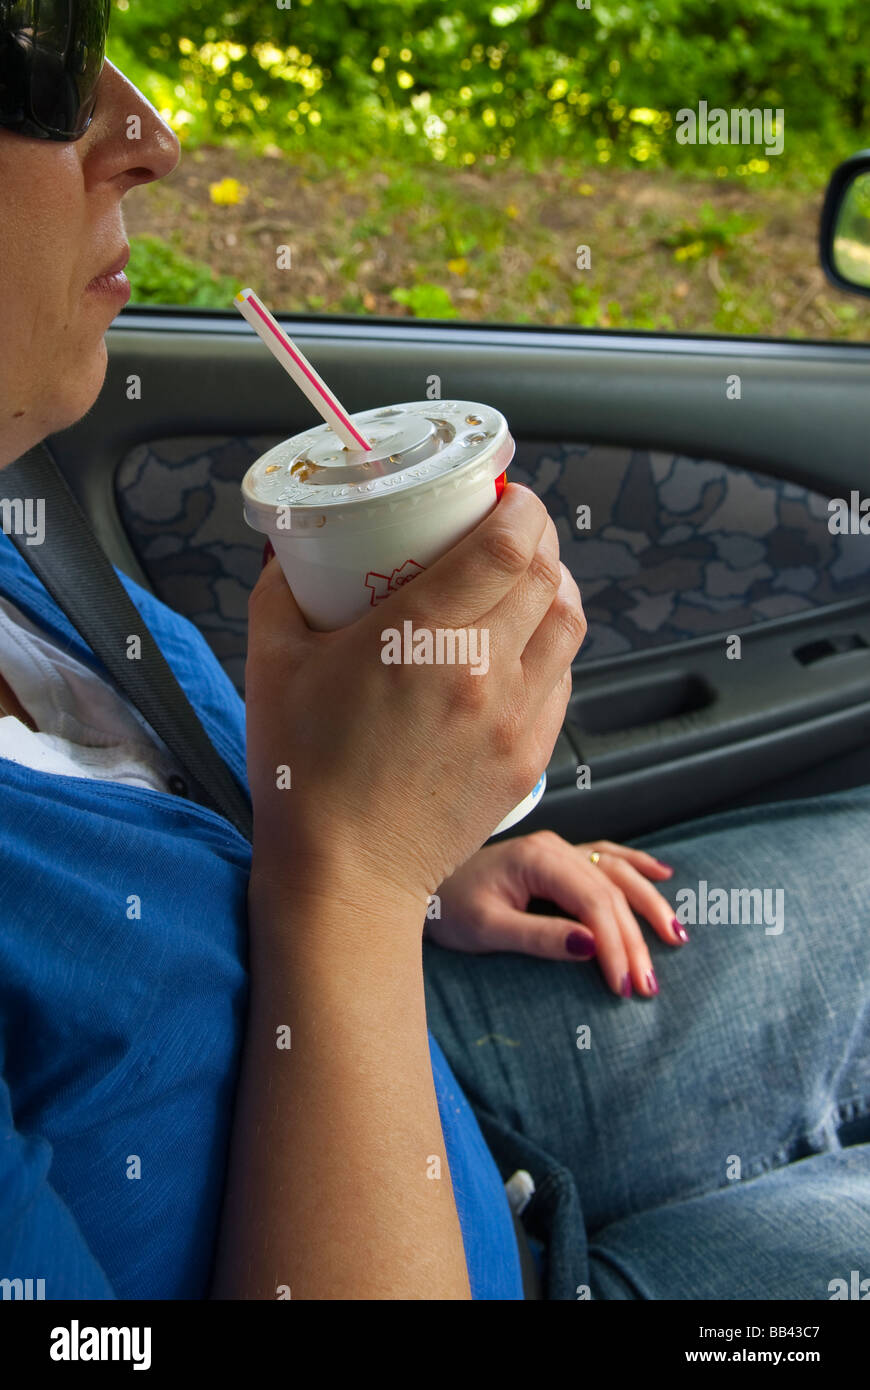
point(296, 363)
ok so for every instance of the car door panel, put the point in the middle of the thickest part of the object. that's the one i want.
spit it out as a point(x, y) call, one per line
point(708, 519)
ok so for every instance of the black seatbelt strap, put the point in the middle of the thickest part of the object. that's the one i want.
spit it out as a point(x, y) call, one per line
point(77, 573)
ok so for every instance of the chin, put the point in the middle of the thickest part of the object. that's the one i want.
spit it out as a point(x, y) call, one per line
point(88, 385)
point(73, 388)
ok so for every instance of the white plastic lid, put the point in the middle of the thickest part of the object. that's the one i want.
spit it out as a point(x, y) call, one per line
point(419, 449)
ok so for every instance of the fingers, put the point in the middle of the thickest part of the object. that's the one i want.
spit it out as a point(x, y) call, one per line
point(552, 870)
point(276, 627)
point(548, 590)
point(645, 863)
point(625, 958)
point(642, 897)
point(651, 905)
point(477, 573)
point(551, 938)
point(640, 966)
point(612, 940)
point(607, 932)
point(605, 897)
point(552, 648)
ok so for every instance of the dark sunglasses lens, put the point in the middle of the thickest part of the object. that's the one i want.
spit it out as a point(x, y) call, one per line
point(69, 47)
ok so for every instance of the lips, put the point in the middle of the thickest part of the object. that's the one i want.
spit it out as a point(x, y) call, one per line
point(116, 267)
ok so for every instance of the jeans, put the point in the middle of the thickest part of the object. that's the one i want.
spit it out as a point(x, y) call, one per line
point(712, 1142)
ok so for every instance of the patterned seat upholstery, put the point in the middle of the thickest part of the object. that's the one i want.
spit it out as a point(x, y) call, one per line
point(676, 547)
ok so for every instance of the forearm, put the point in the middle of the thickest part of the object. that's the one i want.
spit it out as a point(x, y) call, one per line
point(331, 1188)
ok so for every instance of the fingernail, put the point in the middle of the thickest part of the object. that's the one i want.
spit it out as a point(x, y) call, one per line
point(626, 986)
point(680, 930)
point(662, 865)
point(579, 945)
point(268, 552)
point(651, 981)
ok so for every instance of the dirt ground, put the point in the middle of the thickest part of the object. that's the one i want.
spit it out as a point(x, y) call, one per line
point(503, 244)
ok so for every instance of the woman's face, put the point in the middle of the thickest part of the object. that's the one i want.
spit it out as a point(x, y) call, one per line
point(62, 224)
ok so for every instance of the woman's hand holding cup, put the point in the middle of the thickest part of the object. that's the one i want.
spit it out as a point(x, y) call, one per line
point(400, 772)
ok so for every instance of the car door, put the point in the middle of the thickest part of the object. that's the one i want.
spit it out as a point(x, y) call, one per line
point(690, 473)
point(728, 650)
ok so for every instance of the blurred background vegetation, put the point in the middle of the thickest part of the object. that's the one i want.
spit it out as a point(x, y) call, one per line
point(440, 134)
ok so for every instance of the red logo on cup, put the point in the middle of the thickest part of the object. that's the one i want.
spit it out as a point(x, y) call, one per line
point(382, 584)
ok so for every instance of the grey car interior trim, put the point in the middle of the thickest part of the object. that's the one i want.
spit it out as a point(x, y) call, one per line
point(804, 414)
point(489, 334)
point(664, 794)
point(668, 733)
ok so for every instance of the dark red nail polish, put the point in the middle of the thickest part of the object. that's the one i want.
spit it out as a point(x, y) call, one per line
point(626, 986)
point(579, 945)
point(680, 930)
point(268, 552)
point(652, 982)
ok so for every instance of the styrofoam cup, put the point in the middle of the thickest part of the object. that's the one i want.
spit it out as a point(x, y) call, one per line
point(351, 526)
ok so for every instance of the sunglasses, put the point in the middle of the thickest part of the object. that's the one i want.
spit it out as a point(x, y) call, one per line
point(51, 57)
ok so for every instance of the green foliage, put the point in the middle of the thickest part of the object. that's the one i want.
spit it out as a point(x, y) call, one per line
point(711, 234)
point(852, 233)
point(490, 81)
point(426, 301)
point(159, 274)
point(458, 139)
point(854, 221)
point(586, 310)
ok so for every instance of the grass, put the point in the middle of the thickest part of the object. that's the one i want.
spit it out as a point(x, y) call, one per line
point(669, 251)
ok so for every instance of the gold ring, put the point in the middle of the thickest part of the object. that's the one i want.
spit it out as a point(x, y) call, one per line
point(595, 856)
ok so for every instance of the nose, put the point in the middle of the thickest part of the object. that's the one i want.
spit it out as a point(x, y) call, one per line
point(127, 140)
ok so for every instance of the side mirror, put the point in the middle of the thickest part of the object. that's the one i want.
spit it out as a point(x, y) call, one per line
point(845, 228)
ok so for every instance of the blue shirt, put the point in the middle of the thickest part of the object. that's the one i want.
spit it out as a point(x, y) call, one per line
point(123, 989)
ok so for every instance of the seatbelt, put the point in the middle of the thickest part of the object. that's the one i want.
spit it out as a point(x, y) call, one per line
point(77, 573)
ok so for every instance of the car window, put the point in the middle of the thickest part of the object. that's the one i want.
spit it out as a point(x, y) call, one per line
point(595, 165)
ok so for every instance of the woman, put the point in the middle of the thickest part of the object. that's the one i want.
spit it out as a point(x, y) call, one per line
point(147, 1075)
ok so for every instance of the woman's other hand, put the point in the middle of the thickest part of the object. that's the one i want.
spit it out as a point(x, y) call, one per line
point(483, 906)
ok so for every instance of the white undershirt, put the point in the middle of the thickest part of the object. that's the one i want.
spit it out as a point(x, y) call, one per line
point(85, 728)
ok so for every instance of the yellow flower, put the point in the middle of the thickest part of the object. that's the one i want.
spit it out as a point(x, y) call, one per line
point(512, 210)
point(228, 192)
point(586, 189)
point(459, 266)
